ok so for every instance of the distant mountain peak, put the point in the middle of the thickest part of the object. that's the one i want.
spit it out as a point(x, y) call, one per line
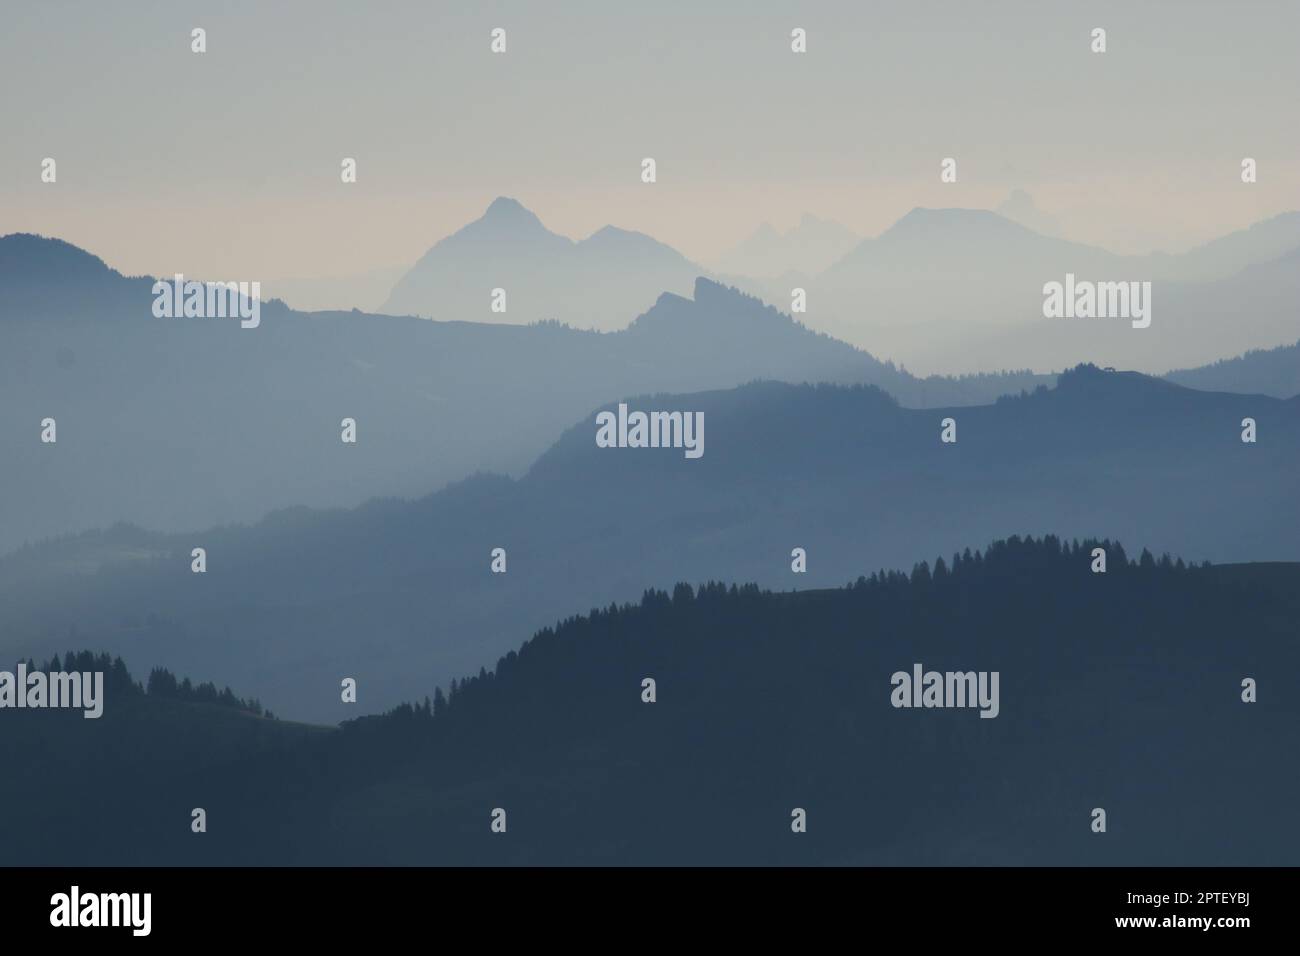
point(922, 217)
point(593, 283)
point(506, 210)
point(615, 234)
point(506, 206)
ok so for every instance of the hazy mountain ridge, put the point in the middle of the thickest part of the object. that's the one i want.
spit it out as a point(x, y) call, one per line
point(947, 290)
point(961, 289)
point(594, 283)
point(809, 247)
point(42, 276)
point(859, 482)
point(950, 290)
point(159, 420)
point(1273, 372)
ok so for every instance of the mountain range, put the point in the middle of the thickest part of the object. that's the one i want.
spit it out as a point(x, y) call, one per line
point(184, 423)
point(290, 605)
point(809, 247)
point(1120, 691)
point(438, 400)
point(600, 282)
point(946, 291)
point(1273, 372)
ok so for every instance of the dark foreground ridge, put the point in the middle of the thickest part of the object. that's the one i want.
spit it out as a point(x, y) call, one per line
point(1119, 690)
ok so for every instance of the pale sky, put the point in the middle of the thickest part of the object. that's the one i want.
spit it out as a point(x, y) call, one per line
point(227, 163)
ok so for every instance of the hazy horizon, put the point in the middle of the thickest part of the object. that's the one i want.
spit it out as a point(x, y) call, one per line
point(1135, 150)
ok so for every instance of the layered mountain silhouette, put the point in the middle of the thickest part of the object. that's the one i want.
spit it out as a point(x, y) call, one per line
point(398, 588)
point(1265, 241)
point(1120, 690)
point(944, 290)
point(1192, 323)
point(600, 282)
point(184, 423)
point(1273, 372)
point(947, 291)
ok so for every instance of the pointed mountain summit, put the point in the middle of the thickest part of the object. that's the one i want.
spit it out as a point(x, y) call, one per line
point(507, 219)
point(600, 282)
point(509, 209)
